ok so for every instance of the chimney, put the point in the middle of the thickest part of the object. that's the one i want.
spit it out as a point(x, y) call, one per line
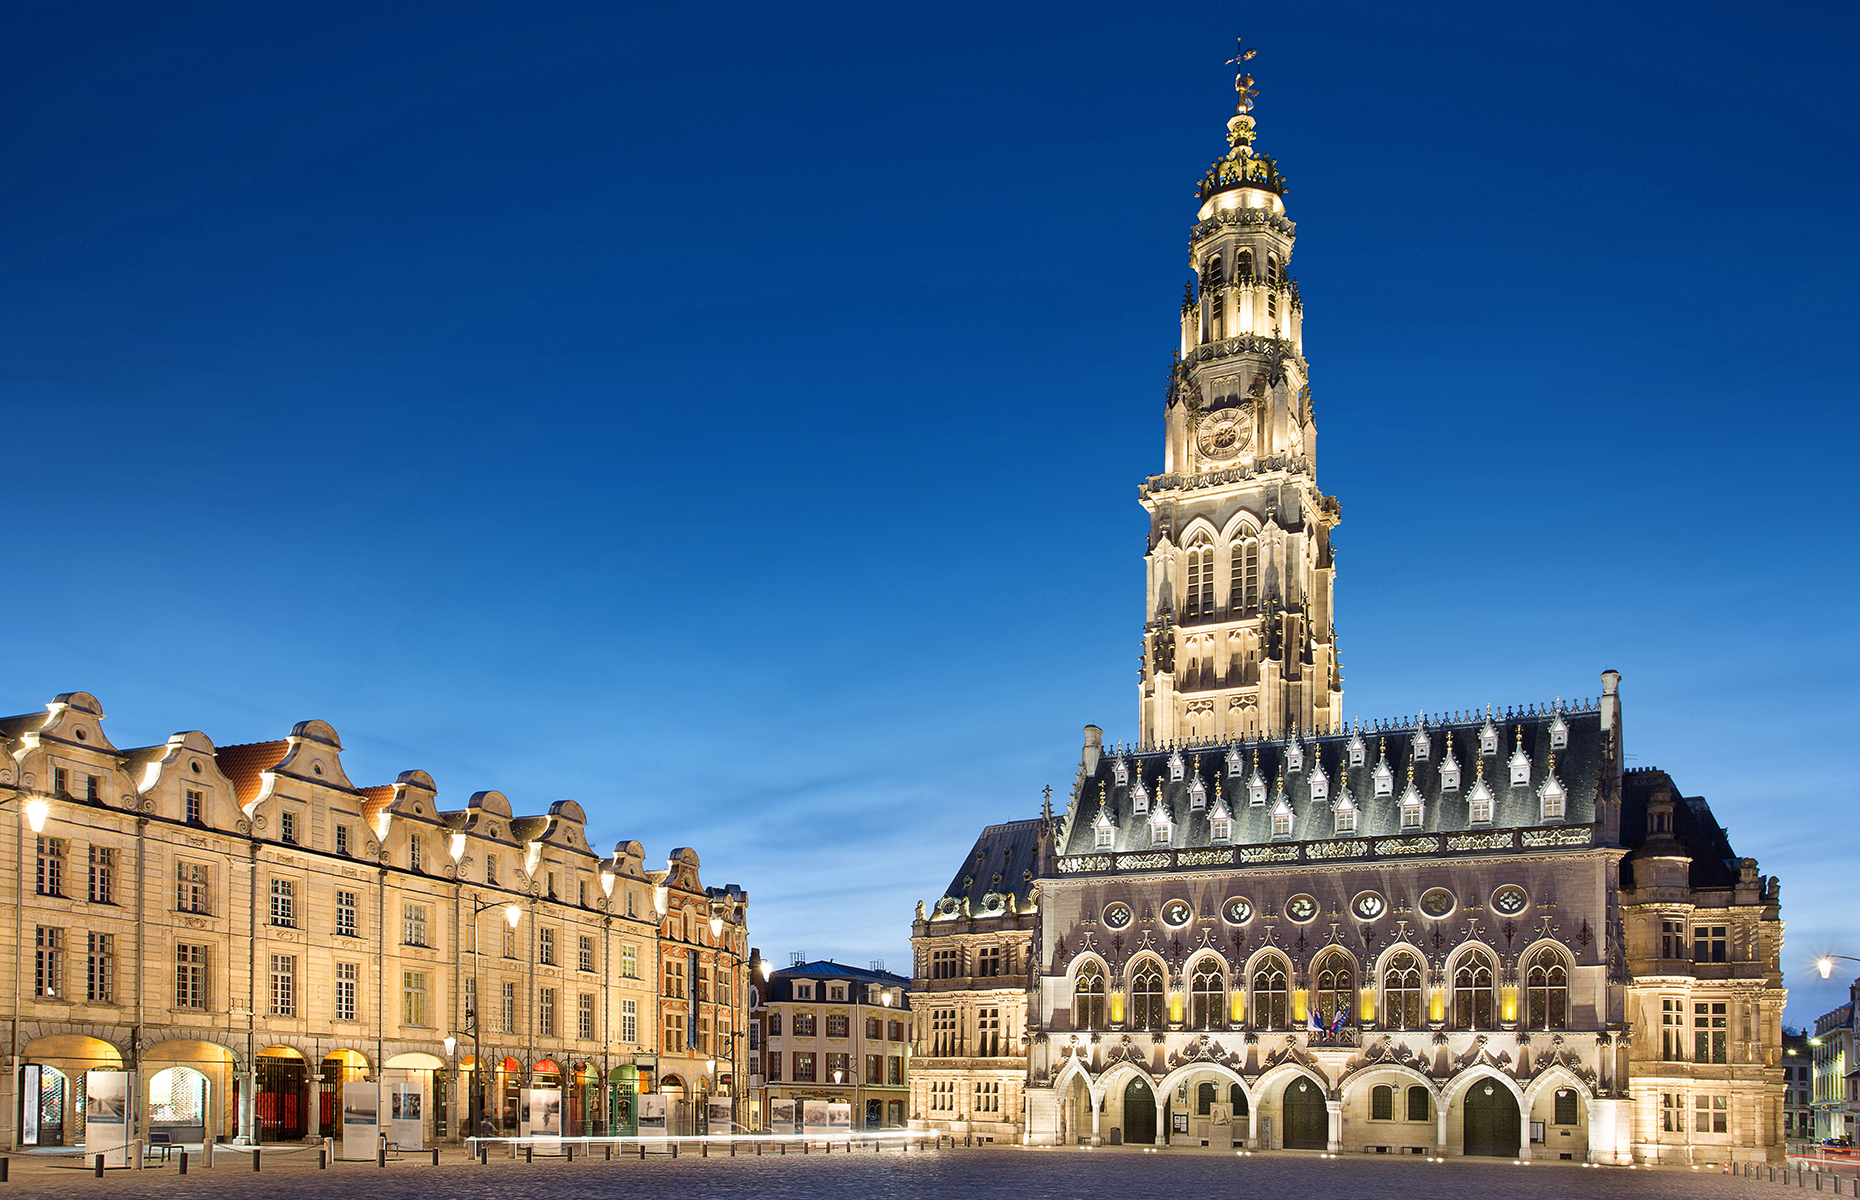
point(1094, 748)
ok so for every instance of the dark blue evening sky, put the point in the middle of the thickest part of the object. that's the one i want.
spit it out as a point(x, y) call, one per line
point(730, 416)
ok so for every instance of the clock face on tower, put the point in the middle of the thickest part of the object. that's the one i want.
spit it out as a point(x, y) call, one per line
point(1225, 434)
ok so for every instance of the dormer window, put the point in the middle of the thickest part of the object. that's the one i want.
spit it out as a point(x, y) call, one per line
point(1420, 744)
point(803, 991)
point(1102, 833)
point(1121, 770)
point(836, 991)
point(1411, 805)
point(1559, 733)
point(1358, 752)
point(1235, 764)
point(1282, 820)
point(1346, 815)
point(1450, 775)
point(1551, 795)
point(1221, 826)
point(1479, 803)
point(1295, 755)
point(1197, 795)
point(1488, 738)
point(1159, 829)
point(1256, 788)
point(1385, 779)
point(1320, 783)
point(1177, 768)
point(1140, 799)
point(1520, 764)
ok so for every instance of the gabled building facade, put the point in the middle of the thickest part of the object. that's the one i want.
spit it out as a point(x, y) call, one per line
point(247, 929)
point(1257, 925)
point(837, 1034)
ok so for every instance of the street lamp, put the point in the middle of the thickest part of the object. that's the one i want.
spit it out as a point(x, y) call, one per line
point(1824, 964)
point(513, 913)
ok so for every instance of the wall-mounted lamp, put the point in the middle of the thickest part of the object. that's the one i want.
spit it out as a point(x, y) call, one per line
point(36, 812)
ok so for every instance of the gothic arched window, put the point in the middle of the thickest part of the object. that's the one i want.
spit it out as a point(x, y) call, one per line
point(1472, 992)
point(1333, 991)
point(1243, 265)
point(1204, 1099)
point(1546, 985)
point(1210, 992)
point(1272, 270)
point(1198, 590)
point(1146, 999)
point(1211, 274)
point(1217, 316)
point(1243, 588)
point(1088, 998)
point(1269, 995)
point(1401, 992)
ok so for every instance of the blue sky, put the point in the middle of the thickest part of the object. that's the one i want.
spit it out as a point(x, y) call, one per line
point(730, 416)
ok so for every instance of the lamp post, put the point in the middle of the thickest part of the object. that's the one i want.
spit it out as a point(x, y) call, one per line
point(1824, 964)
point(513, 913)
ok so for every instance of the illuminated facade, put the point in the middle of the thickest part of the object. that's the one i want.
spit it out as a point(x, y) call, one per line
point(1257, 926)
point(248, 930)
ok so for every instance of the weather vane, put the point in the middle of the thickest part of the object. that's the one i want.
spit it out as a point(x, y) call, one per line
point(1243, 82)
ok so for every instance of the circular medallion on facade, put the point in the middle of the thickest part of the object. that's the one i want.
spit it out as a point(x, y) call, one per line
point(1226, 433)
point(1177, 913)
point(1368, 906)
point(1509, 900)
point(1238, 910)
point(1301, 908)
point(1436, 902)
point(1117, 915)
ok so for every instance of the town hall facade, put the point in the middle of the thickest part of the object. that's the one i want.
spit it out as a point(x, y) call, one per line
point(1256, 925)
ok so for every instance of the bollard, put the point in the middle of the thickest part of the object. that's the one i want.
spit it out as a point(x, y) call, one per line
point(206, 1152)
point(381, 1153)
point(100, 1166)
point(674, 1149)
point(4, 1163)
point(484, 1155)
point(642, 1152)
point(610, 1152)
point(875, 1149)
point(732, 1149)
point(783, 1147)
point(703, 1149)
point(435, 1158)
point(255, 1156)
point(322, 1160)
point(569, 1150)
point(529, 1153)
point(183, 1162)
point(758, 1149)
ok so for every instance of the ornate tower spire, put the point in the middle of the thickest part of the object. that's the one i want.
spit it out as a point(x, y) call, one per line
point(1239, 639)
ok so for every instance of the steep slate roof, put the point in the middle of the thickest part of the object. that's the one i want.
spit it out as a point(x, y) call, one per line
point(1011, 851)
point(780, 985)
point(1714, 863)
point(1578, 769)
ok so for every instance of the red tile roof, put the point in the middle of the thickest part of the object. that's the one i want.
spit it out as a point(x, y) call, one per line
point(244, 764)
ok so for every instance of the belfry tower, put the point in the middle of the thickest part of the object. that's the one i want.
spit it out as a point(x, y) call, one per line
point(1239, 637)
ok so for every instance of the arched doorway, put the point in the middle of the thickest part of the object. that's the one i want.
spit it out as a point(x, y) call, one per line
point(278, 1105)
point(338, 1067)
point(417, 1084)
point(1139, 1114)
point(178, 1104)
point(1307, 1119)
point(677, 1107)
point(1491, 1120)
point(209, 1059)
point(509, 1083)
point(44, 1123)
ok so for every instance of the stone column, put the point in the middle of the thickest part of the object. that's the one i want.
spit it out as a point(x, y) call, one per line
point(1440, 1137)
point(1097, 1116)
point(1335, 1141)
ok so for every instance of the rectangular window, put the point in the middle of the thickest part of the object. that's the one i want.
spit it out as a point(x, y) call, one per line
point(894, 1031)
point(283, 985)
point(413, 998)
point(1672, 1116)
point(100, 969)
point(675, 979)
point(48, 968)
point(510, 1008)
point(1553, 805)
point(342, 839)
point(1672, 939)
point(839, 1069)
point(1708, 943)
point(1673, 1029)
point(702, 992)
point(61, 781)
point(551, 876)
point(414, 861)
point(102, 875)
point(490, 869)
point(629, 1021)
point(987, 1097)
point(703, 1035)
point(584, 954)
point(1710, 1033)
point(674, 1034)
point(988, 962)
point(51, 866)
point(1410, 816)
point(804, 1066)
point(1482, 810)
point(875, 1068)
point(1711, 1114)
point(1417, 1104)
point(943, 964)
point(804, 1024)
point(190, 976)
point(91, 793)
point(1382, 1103)
point(837, 1025)
point(943, 1032)
point(874, 1030)
point(581, 885)
point(546, 947)
point(774, 1024)
point(346, 975)
point(584, 1017)
point(510, 942)
point(774, 1061)
point(1566, 1106)
point(1282, 823)
point(413, 925)
point(284, 903)
point(196, 806)
point(347, 904)
point(287, 828)
point(894, 1071)
point(191, 894)
point(629, 962)
point(988, 1032)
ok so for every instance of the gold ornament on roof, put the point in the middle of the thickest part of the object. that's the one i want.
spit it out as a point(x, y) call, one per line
point(1243, 82)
